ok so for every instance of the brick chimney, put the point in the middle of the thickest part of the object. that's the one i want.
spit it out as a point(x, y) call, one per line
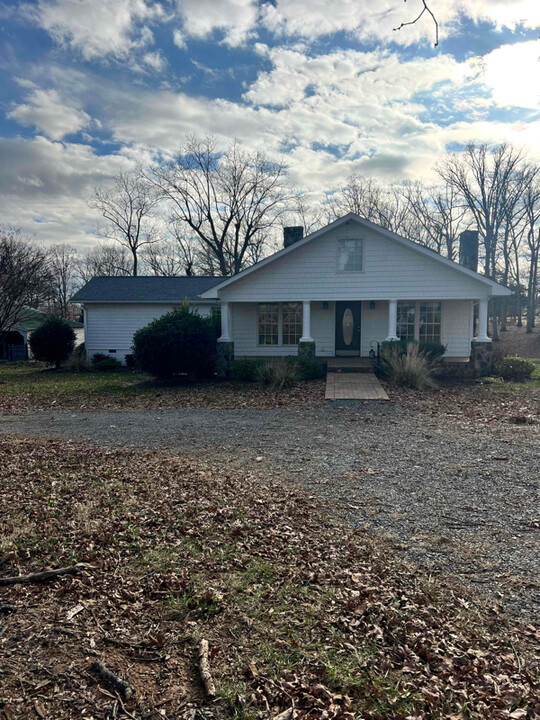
point(292, 235)
point(468, 249)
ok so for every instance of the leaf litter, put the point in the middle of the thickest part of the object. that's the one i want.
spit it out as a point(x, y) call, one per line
point(305, 617)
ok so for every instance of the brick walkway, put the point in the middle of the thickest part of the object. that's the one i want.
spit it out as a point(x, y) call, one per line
point(354, 386)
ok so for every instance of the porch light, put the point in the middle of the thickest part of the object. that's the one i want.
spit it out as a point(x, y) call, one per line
point(372, 304)
point(325, 305)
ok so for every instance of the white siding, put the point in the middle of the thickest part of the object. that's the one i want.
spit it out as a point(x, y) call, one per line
point(391, 271)
point(456, 329)
point(245, 332)
point(374, 325)
point(111, 326)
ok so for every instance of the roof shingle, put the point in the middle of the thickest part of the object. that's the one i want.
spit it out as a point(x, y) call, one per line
point(144, 289)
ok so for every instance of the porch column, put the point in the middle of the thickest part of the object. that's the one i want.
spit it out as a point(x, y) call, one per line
point(306, 322)
point(225, 323)
point(482, 335)
point(392, 321)
point(225, 348)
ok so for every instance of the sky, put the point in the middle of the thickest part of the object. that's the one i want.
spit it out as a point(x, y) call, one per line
point(93, 87)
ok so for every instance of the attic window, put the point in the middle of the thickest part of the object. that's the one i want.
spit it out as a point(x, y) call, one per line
point(350, 255)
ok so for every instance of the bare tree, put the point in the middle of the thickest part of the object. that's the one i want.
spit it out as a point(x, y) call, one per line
point(104, 260)
point(127, 207)
point(382, 205)
point(24, 276)
point(531, 203)
point(439, 216)
point(63, 269)
point(425, 9)
point(488, 180)
point(229, 200)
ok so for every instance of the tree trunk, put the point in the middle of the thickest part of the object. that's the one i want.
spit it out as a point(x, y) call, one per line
point(135, 262)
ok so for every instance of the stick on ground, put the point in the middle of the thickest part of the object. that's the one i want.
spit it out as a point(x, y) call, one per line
point(44, 576)
point(204, 669)
point(112, 680)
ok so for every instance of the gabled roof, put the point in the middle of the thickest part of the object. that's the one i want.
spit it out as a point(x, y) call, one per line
point(143, 289)
point(496, 288)
point(29, 319)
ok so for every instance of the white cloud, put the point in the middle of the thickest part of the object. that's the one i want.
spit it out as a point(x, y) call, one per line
point(179, 39)
point(44, 187)
point(46, 111)
point(98, 28)
point(155, 60)
point(512, 72)
point(235, 18)
point(377, 20)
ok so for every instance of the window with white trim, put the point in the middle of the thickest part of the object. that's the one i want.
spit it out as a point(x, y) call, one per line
point(405, 328)
point(268, 324)
point(429, 329)
point(350, 255)
point(291, 323)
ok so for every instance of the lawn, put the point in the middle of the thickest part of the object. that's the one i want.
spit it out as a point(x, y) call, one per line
point(303, 615)
point(25, 386)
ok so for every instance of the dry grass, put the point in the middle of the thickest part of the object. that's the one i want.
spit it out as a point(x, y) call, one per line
point(299, 610)
point(26, 387)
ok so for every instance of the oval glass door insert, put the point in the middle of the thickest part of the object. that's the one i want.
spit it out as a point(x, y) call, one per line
point(348, 326)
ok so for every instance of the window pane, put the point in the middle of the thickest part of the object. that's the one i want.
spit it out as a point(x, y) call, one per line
point(268, 324)
point(405, 320)
point(292, 323)
point(350, 256)
point(430, 322)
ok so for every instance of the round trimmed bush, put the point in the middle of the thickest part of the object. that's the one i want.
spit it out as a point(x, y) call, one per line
point(181, 342)
point(514, 369)
point(53, 341)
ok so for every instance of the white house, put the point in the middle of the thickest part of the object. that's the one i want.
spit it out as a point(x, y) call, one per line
point(115, 308)
point(339, 291)
point(346, 288)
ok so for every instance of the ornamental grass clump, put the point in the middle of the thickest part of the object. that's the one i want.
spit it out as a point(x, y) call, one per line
point(413, 369)
point(277, 375)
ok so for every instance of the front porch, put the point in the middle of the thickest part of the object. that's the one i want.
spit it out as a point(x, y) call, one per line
point(339, 330)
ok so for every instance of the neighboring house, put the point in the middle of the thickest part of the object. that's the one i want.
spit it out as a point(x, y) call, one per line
point(346, 288)
point(14, 342)
point(116, 307)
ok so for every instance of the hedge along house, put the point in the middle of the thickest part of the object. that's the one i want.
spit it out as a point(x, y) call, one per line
point(349, 286)
point(115, 308)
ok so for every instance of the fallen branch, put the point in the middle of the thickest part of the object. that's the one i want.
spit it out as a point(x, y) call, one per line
point(6, 608)
point(115, 682)
point(44, 576)
point(204, 669)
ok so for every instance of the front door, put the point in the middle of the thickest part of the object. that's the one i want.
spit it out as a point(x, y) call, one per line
point(348, 319)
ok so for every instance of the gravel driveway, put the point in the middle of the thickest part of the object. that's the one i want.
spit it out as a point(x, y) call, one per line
point(460, 502)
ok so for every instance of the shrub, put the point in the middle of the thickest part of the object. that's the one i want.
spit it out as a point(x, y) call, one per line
point(53, 341)
point(98, 357)
point(180, 342)
point(514, 369)
point(130, 360)
point(246, 369)
point(278, 375)
point(432, 349)
point(77, 361)
point(306, 368)
point(108, 363)
point(411, 368)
